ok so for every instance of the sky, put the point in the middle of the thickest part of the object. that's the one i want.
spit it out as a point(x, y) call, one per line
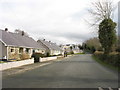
point(59, 21)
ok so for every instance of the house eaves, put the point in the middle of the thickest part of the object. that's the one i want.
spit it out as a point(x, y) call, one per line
point(3, 42)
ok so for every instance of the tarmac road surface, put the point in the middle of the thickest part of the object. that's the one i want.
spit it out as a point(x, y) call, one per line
point(79, 71)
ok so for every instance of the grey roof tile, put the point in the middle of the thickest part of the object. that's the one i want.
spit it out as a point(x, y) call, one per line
point(14, 39)
point(50, 45)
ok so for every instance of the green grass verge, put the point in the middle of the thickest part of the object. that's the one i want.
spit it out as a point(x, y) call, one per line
point(105, 64)
point(78, 53)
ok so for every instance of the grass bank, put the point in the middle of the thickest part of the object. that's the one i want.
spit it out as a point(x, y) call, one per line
point(106, 64)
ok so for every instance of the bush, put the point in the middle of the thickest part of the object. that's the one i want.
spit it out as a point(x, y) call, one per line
point(59, 54)
point(38, 55)
point(14, 56)
point(24, 56)
point(71, 52)
point(92, 49)
point(118, 49)
point(112, 59)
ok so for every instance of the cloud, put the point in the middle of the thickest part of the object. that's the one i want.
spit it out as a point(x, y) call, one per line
point(61, 21)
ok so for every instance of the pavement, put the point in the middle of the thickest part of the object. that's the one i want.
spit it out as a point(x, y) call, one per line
point(79, 71)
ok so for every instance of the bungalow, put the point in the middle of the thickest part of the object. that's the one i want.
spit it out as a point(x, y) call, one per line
point(71, 48)
point(76, 49)
point(16, 46)
point(50, 47)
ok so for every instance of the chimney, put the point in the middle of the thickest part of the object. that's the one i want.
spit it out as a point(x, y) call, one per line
point(6, 29)
point(23, 33)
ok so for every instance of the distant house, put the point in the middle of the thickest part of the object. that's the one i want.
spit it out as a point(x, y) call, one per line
point(66, 48)
point(16, 46)
point(71, 48)
point(51, 48)
point(76, 49)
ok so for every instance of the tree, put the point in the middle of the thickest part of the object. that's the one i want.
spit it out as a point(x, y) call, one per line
point(71, 48)
point(84, 45)
point(101, 10)
point(94, 42)
point(107, 34)
point(80, 47)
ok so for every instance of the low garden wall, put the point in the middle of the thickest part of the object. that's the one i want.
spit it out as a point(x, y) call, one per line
point(47, 59)
point(8, 65)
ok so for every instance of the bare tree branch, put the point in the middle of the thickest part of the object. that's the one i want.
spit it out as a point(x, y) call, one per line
point(101, 10)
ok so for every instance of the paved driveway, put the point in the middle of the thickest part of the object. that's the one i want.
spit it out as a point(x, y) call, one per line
point(79, 71)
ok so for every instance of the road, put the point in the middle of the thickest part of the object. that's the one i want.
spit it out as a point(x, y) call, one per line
point(79, 71)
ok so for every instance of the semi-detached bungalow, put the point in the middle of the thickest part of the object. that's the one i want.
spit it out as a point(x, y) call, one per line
point(71, 47)
point(16, 46)
point(51, 48)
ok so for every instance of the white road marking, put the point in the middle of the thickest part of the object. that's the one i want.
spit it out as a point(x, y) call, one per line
point(103, 89)
point(110, 88)
point(100, 88)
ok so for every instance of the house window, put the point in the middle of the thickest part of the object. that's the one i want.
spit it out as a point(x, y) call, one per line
point(21, 50)
point(27, 50)
point(12, 50)
point(33, 51)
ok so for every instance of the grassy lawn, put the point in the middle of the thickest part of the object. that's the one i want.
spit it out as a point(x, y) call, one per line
point(106, 64)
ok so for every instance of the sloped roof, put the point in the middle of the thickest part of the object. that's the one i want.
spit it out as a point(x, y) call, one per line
point(76, 48)
point(50, 45)
point(14, 39)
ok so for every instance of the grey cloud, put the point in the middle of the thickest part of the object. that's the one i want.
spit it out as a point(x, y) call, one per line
point(33, 17)
point(78, 15)
point(77, 37)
